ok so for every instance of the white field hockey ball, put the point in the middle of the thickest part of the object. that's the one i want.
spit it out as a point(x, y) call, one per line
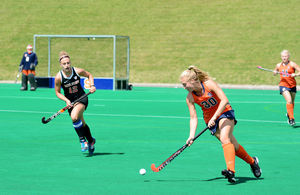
point(142, 171)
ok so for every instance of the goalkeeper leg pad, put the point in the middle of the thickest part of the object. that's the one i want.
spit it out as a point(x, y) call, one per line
point(32, 82)
point(24, 82)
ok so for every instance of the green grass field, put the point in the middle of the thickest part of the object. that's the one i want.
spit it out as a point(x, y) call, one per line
point(135, 129)
point(226, 38)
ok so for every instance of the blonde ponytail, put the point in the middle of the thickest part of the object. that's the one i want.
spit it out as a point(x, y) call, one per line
point(194, 73)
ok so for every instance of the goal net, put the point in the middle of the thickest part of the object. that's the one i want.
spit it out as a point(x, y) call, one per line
point(104, 56)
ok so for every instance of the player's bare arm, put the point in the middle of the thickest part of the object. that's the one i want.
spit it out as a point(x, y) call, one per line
point(295, 66)
point(84, 73)
point(275, 71)
point(193, 117)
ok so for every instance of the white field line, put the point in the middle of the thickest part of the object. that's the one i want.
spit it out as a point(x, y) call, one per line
point(139, 100)
point(137, 116)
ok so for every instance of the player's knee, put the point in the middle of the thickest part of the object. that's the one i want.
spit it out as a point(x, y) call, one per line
point(74, 118)
point(225, 140)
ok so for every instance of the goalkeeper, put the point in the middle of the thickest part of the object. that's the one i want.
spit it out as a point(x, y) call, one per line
point(27, 67)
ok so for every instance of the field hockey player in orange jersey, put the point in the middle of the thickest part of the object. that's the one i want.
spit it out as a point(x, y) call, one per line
point(287, 84)
point(219, 117)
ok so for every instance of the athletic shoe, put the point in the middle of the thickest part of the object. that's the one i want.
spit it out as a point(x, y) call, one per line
point(255, 168)
point(92, 146)
point(290, 121)
point(229, 175)
point(84, 145)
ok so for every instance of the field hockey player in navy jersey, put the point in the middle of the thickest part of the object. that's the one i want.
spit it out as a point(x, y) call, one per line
point(69, 80)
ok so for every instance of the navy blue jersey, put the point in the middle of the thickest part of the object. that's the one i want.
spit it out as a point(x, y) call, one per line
point(71, 85)
point(28, 59)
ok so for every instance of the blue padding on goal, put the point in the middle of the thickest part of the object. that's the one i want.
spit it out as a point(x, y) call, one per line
point(43, 81)
point(100, 83)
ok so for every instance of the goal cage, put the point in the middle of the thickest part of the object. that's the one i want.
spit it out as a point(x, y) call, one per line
point(106, 57)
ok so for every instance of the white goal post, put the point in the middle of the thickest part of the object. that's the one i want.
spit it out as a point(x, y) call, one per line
point(110, 52)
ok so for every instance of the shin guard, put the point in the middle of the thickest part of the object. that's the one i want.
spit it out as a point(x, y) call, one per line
point(290, 110)
point(229, 154)
point(88, 134)
point(78, 126)
point(24, 82)
point(32, 82)
point(242, 154)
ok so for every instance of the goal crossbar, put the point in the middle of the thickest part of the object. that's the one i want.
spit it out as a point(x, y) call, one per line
point(114, 37)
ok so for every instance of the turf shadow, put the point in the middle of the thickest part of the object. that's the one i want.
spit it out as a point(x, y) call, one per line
point(296, 126)
point(103, 153)
point(180, 180)
point(239, 180)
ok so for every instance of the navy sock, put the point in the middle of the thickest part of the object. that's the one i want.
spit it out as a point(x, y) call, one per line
point(88, 134)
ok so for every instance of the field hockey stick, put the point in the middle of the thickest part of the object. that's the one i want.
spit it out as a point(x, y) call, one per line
point(173, 156)
point(272, 71)
point(62, 110)
point(17, 77)
point(19, 74)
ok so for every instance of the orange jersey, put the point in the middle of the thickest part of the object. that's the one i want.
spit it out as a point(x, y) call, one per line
point(209, 102)
point(286, 80)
